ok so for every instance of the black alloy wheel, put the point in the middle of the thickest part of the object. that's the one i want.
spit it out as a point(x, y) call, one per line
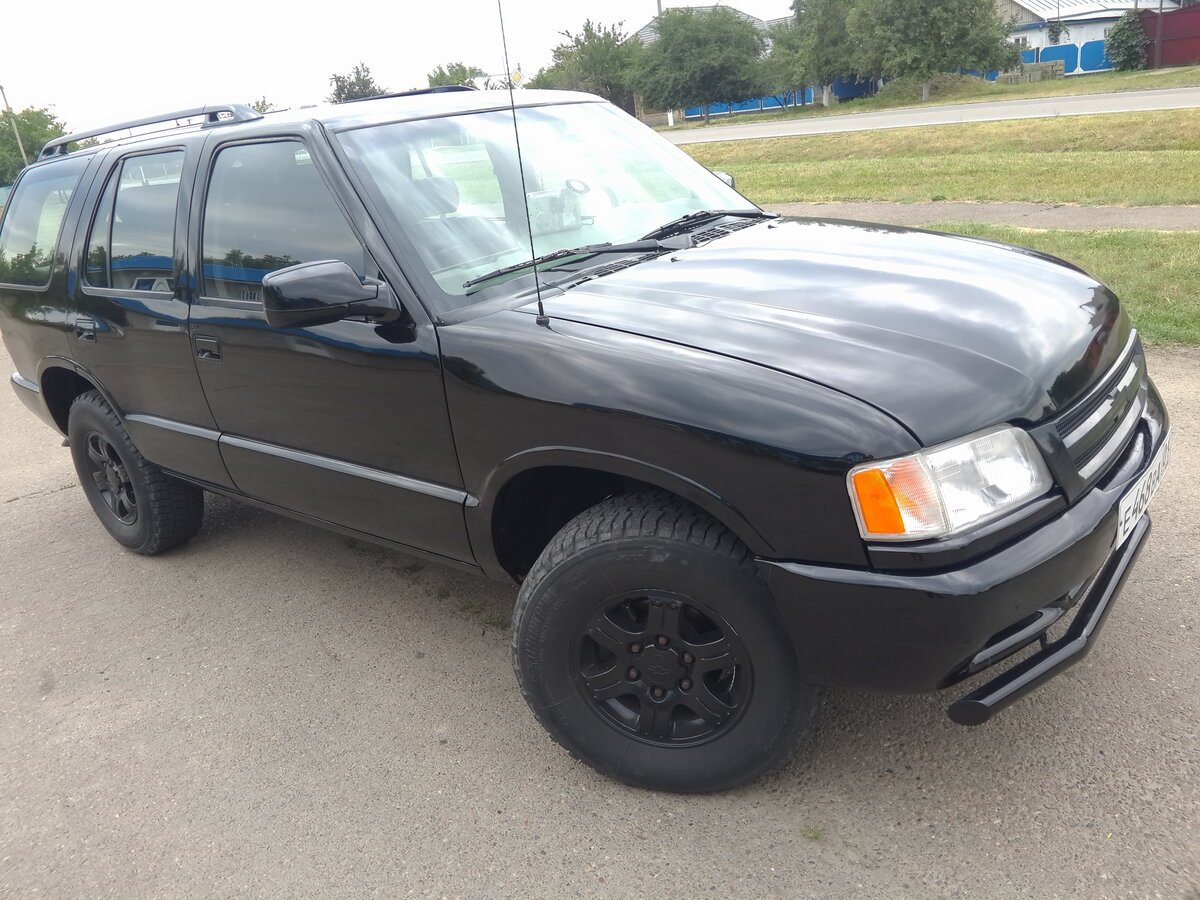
point(647, 644)
point(139, 504)
point(111, 478)
point(664, 668)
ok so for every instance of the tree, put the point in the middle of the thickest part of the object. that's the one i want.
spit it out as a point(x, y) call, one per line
point(36, 127)
point(1126, 43)
point(701, 56)
point(355, 86)
point(600, 59)
point(454, 73)
point(785, 67)
point(921, 38)
point(823, 42)
point(262, 105)
point(1056, 30)
point(499, 84)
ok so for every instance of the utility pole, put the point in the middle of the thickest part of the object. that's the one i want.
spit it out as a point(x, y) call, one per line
point(13, 121)
point(670, 112)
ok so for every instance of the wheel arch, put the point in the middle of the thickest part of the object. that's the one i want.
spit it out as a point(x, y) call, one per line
point(530, 496)
point(61, 381)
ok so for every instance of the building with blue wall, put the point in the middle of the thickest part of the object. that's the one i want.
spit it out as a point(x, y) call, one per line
point(1086, 24)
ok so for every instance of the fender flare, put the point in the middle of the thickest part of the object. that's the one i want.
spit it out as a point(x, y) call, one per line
point(479, 516)
point(70, 365)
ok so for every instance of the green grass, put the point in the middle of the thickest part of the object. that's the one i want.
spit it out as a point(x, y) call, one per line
point(965, 89)
point(1125, 159)
point(1155, 273)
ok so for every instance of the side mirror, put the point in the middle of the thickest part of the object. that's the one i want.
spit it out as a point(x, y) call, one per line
point(318, 293)
point(727, 178)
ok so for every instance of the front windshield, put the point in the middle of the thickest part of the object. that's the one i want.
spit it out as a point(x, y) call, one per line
point(593, 175)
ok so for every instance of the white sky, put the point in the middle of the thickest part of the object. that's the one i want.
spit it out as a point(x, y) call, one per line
point(96, 63)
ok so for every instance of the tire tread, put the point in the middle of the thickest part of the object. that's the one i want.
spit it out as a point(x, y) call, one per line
point(176, 509)
point(634, 516)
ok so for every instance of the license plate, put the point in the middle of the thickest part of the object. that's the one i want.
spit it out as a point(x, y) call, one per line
point(1137, 499)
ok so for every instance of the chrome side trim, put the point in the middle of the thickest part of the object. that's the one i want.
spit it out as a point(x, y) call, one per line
point(346, 468)
point(1114, 443)
point(21, 381)
point(172, 425)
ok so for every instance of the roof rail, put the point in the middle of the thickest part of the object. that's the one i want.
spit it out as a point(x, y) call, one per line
point(215, 114)
point(440, 89)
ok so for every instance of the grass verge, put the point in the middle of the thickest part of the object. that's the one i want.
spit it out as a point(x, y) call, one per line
point(1155, 273)
point(1124, 159)
point(949, 89)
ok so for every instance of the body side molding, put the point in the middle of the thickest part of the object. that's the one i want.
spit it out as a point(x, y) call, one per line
point(439, 491)
point(172, 425)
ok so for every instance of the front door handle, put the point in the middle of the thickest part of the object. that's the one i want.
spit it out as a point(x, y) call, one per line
point(85, 329)
point(208, 348)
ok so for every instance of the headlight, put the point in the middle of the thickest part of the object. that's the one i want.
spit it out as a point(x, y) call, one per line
point(947, 489)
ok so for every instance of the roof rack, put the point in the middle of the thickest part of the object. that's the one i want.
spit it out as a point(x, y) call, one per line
point(216, 114)
point(440, 89)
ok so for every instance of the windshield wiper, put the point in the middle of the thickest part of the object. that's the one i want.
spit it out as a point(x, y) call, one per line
point(646, 245)
point(684, 223)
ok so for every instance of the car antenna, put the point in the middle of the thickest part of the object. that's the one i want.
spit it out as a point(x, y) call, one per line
point(542, 318)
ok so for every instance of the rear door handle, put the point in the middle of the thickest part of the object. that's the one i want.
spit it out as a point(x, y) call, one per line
point(85, 329)
point(208, 348)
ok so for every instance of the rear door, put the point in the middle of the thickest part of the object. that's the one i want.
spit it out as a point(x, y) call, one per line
point(344, 422)
point(127, 324)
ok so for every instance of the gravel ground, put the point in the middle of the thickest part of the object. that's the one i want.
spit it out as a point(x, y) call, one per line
point(1024, 215)
point(273, 711)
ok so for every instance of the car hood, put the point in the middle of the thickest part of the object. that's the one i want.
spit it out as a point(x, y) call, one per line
point(946, 334)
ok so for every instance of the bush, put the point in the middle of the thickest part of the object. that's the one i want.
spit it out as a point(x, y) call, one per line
point(1126, 43)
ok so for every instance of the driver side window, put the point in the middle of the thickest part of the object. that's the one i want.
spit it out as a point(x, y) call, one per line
point(268, 208)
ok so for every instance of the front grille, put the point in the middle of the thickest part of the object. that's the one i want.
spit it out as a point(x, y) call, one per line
point(1097, 428)
point(1081, 411)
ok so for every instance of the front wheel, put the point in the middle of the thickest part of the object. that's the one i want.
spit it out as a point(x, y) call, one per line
point(647, 645)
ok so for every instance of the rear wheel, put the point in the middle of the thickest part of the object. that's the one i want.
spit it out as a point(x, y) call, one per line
point(647, 645)
point(142, 507)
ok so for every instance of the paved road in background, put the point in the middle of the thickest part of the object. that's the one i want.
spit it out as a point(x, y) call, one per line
point(1025, 215)
point(990, 111)
point(274, 711)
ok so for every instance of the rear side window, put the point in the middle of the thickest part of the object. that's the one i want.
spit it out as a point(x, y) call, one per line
point(131, 244)
point(268, 208)
point(34, 219)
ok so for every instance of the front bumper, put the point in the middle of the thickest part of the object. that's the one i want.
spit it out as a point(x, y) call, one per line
point(918, 631)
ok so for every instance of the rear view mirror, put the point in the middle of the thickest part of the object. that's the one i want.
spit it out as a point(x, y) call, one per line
point(317, 293)
point(727, 178)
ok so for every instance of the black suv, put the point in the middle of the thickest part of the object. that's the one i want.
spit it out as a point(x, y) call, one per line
point(728, 456)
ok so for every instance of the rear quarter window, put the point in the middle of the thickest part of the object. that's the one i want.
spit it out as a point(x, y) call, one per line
point(33, 218)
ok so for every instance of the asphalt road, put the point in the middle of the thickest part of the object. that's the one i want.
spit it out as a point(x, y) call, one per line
point(990, 111)
point(275, 711)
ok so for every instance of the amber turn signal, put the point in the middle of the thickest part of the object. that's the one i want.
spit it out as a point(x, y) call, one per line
point(877, 503)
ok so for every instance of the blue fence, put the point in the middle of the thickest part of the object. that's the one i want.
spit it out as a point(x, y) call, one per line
point(1077, 58)
point(1090, 56)
point(843, 89)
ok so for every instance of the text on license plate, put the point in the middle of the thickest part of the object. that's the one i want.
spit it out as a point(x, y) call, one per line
point(1137, 499)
